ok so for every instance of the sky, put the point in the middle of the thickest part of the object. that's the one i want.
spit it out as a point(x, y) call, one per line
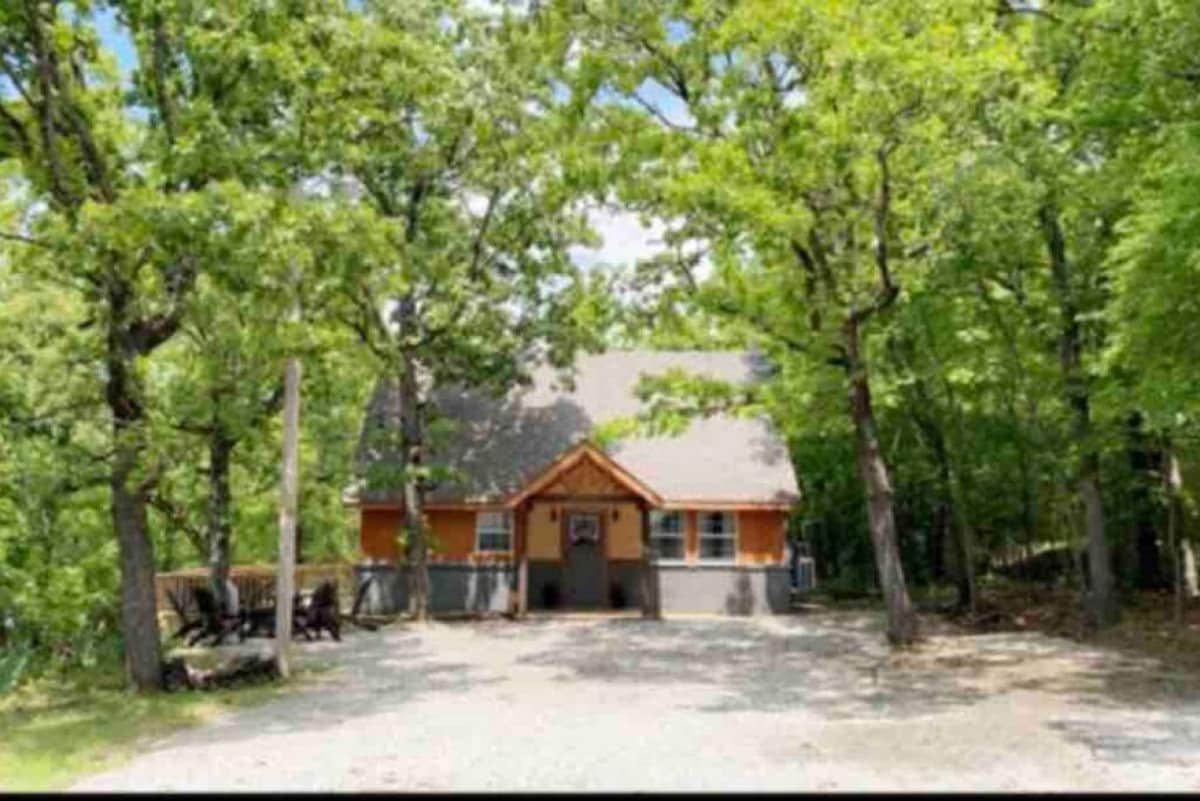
point(624, 238)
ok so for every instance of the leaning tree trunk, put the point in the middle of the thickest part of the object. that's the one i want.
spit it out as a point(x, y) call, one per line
point(139, 613)
point(901, 622)
point(220, 449)
point(1100, 599)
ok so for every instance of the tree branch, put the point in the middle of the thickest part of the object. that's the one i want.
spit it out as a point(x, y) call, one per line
point(26, 240)
point(888, 290)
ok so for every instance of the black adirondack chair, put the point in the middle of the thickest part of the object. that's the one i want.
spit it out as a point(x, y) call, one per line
point(187, 622)
point(321, 614)
point(260, 622)
point(214, 621)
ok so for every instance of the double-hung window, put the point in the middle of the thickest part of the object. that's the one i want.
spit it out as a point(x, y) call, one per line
point(666, 534)
point(493, 531)
point(718, 536)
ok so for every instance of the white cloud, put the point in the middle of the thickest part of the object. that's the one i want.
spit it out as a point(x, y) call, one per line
point(496, 7)
point(624, 239)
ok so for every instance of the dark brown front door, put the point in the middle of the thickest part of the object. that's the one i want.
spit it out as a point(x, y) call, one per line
point(584, 566)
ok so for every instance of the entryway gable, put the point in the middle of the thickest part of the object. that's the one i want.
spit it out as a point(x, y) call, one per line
point(585, 470)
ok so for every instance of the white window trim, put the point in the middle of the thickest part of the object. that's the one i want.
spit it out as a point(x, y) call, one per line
point(701, 559)
point(682, 536)
point(480, 530)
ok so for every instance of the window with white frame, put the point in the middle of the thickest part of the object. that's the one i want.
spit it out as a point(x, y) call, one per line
point(666, 534)
point(493, 531)
point(718, 536)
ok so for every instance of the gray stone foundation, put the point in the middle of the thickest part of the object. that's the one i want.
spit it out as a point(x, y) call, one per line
point(698, 588)
point(695, 588)
point(724, 589)
point(453, 587)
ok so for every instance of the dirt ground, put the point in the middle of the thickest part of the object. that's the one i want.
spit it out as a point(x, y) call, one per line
point(800, 702)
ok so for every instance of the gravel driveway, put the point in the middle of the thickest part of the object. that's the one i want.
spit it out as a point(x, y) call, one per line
point(809, 702)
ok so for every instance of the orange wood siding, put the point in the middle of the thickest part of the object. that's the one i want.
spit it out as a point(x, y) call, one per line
point(377, 533)
point(624, 535)
point(760, 536)
point(453, 532)
point(544, 535)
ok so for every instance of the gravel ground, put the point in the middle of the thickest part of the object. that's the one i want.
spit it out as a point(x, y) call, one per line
point(810, 702)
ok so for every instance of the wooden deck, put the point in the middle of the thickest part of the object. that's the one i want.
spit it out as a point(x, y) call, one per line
point(255, 584)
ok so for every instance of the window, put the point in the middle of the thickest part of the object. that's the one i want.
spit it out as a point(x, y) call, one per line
point(493, 531)
point(666, 534)
point(718, 536)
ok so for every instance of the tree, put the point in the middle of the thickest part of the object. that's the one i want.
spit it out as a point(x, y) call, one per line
point(435, 127)
point(799, 143)
point(131, 192)
point(220, 380)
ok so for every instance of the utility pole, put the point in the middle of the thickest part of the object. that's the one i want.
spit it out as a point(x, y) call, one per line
point(285, 580)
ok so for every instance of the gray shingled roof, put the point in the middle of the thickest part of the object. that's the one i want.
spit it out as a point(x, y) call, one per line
point(500, 444)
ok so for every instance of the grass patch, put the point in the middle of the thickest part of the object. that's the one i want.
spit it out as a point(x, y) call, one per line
point(56, 730)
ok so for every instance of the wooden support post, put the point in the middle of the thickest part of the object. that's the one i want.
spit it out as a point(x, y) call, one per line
point(651, 609)
point(522, 560)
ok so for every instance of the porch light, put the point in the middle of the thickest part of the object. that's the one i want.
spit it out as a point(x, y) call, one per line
point(553, 513)
point(616, 513)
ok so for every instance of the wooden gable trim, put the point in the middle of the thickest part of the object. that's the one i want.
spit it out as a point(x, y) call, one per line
point(571, 458)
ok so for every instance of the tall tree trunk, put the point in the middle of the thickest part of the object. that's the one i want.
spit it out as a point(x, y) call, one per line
point(1183, 558)
point(1143, 465)
point(285, 579)
point(954, 513)
point(1028, 505)
point(968, 596)
point(1029, 499)
point(901, 622)
point(1101, 603)
point(139, 613)
point(1171, 489)
point(413, 449)
point(952, 506)
point(220, 449)
point(937, 541)
point(418, 550)
point(1187, 560)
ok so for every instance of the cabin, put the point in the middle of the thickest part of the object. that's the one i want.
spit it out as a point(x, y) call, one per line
point(536, 514)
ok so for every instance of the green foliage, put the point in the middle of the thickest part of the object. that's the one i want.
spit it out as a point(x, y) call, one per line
point(755, 131)
point(812, 165)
